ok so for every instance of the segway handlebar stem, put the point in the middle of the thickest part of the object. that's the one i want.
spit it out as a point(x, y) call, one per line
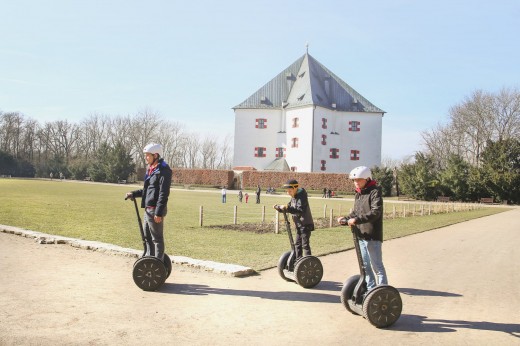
point(139, 222)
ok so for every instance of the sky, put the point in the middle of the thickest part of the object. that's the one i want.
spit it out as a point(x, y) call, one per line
point(192, 61)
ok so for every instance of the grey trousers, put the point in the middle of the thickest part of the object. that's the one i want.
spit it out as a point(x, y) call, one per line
point(153, 234)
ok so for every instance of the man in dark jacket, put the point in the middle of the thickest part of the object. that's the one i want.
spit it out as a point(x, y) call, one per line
point(299, 207)
point(367, 215)
point(155, 192)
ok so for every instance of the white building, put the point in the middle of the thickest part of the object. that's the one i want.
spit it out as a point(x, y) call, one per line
point(307, 119)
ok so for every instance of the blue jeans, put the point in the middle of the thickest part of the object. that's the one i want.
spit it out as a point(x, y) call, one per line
point(372, 256)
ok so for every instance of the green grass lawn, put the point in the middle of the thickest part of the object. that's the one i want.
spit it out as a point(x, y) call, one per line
point(99, 212)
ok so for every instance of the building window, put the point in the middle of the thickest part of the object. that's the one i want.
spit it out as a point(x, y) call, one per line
point(323, 165)
point(293, 169)
point(324, 139)
point(334, 153)
point(323, 123)
point(295, 122)
point(280, 152)
point(259, 152)
point(354, 126)
point(354, 155)
point(261, 123)
point(294, 142)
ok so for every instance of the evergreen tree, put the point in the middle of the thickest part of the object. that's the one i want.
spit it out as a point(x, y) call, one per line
point(419, 179)
point(501, 170)
point(384, 177)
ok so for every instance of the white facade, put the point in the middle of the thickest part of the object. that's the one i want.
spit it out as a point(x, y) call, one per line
point(309, 137)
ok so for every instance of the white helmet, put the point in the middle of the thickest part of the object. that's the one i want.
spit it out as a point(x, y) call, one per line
point(153, 148)
point(360, 172)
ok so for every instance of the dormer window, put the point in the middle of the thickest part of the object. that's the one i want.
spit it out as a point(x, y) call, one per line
point(295, 122)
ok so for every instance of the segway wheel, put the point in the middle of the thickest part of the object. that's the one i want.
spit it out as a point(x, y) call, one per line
point(282, 265)
point(347, 291)
point(149, 273)
point(168, 264)
point(382, 306)
point(308, 271)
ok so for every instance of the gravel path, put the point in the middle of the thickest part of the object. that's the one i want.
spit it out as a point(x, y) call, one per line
point(459, 285)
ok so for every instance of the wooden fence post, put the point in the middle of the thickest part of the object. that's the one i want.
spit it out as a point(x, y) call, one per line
point(235, 212)
point(277, 222)
point(263, 213)
point(201, 215)
point(331, 217)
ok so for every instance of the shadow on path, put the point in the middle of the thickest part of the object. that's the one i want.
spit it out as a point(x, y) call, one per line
point(426, 293)
point(200, 290)
point(422, 324)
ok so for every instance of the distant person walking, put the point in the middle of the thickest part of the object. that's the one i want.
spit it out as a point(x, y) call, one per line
point(258, 190)
point(240, 195)
point(247, 197)
point(224, 193)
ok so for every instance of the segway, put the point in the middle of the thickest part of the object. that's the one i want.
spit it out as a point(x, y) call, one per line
point(381, 306)
point(306, 271)
point(149, 272)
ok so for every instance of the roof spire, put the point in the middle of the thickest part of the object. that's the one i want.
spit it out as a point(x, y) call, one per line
point(307, 48)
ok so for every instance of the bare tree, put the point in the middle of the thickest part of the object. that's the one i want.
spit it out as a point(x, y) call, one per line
point(172, 137)
point(144, 128)
point(209, 152)
point(95, 130)
point(480, 117)
point(506, 108)
point(65, 136)
point(10, 130)
point(190, 150)
point(226, 151)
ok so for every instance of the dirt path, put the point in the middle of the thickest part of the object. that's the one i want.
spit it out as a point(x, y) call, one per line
point(459, 285)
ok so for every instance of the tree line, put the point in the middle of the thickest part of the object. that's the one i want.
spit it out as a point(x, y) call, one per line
point(475, 154)
point(102, 147)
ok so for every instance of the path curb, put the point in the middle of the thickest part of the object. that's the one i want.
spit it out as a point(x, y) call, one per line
point(207, 266)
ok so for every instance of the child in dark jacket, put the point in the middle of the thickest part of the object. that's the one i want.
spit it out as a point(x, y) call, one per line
point(367, 216)
point(299, 207)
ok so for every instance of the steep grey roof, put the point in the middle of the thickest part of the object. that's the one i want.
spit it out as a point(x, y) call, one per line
point(307, 82)
point(278, 164)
